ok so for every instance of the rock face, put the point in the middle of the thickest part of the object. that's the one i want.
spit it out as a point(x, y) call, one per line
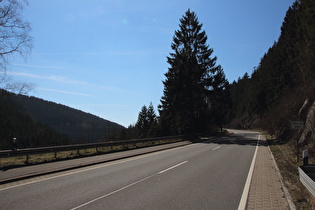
point(309, 128)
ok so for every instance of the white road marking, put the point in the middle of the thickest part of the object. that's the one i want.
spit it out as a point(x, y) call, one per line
point(216, 148)
point(64, 174)
point(76, 171)
point(170, 168)
point(127, 186)
point(113, 192)
point(242, 205)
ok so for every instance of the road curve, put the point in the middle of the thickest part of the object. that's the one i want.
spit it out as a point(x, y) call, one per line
point(208, 175)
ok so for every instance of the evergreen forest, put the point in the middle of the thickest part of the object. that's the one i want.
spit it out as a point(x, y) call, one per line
point(198, 98)
point(283, 81)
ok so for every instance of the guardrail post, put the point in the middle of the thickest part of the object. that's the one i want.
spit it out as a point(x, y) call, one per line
point(14, 144)
point(26, 161)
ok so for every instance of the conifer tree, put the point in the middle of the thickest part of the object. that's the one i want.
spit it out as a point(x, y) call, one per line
point(151, 115)
point(220, 99)
point(142, 124)
point(146, 122)
point(184, 107)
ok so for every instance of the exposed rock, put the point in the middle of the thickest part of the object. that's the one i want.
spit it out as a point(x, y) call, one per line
point(309, 128)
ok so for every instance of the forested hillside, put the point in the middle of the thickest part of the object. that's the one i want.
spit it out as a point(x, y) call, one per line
point(29, 133)
point(36, 122)
point(284, 79)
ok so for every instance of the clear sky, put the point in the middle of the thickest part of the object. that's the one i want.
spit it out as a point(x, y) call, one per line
point(108, 57)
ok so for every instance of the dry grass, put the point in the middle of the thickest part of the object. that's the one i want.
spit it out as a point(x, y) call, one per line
point(49, 157)
point(7, 162)
point(285, 156)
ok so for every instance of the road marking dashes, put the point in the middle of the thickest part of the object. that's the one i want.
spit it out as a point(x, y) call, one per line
point(127, 186)
point(216, 148)
point(170, 168)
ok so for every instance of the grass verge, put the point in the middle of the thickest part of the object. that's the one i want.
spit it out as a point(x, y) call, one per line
point(285, 156)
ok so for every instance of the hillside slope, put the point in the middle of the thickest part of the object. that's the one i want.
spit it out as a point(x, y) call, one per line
point(79, 126)
point(29, 133)
point(284, 79)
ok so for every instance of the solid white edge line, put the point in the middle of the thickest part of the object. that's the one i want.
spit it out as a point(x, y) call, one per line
point(242, 205)
point(170, 168)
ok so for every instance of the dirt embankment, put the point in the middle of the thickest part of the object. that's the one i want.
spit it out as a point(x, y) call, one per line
point(285, 153)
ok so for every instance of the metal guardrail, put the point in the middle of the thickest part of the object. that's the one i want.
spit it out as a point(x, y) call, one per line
point(307, 181)
point(55, 149)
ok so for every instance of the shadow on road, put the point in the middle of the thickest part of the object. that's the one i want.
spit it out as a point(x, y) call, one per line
point(244, 139)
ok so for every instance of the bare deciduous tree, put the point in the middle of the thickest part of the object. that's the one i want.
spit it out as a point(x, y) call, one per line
point(15, 39)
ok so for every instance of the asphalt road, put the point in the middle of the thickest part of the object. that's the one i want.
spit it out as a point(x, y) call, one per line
point(208, 175)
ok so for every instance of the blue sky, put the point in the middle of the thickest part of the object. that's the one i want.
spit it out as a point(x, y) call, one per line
point(108, 57)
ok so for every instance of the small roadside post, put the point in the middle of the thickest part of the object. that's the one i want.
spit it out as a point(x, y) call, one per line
point(14, 142)
point(305, 157)
point(297, 125)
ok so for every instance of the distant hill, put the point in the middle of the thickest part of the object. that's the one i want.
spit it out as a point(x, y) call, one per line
point(72, 124)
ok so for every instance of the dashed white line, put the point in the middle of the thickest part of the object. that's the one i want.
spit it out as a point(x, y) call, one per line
point(127, 186)
point(170, 168)
point(113, 192)
point(80, 170)
point(216, 148)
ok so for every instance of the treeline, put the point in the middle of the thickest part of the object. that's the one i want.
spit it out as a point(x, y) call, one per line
point(284, 78)
point(146, 125)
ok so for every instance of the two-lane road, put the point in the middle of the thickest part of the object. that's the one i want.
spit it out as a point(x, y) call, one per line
point(209, 175)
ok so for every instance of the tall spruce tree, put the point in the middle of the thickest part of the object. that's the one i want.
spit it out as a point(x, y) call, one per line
point(184, 107)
